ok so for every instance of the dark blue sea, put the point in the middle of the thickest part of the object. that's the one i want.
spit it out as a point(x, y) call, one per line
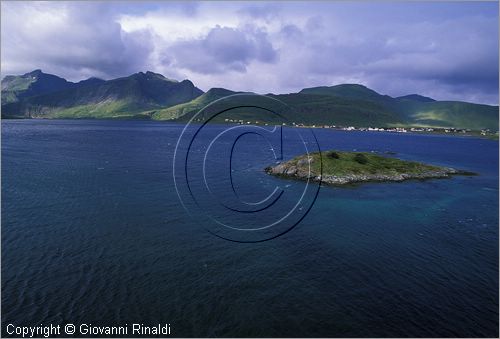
point(94, 232)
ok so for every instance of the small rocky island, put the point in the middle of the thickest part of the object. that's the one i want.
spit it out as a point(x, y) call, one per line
point(341, 168)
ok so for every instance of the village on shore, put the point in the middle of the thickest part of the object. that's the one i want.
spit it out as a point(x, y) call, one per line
point(446, 130)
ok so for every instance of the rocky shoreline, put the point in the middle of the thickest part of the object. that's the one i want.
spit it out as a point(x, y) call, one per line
point(302, 168)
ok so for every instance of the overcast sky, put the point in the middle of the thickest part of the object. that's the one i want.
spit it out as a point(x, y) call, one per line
point(445, 50)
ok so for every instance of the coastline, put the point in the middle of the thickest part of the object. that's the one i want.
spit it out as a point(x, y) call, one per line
point(436, 131)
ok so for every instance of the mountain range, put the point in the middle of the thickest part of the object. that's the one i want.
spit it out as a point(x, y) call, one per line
point(152, 96)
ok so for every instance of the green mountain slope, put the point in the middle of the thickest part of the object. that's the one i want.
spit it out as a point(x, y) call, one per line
point(125, 97)
point(414, 109)
point(415, 97)
point(350, 91)
point(359, 106)
point(193, 106)
point(315, 109)
point(15, 88)
point(309, 109)
point(152, 96)
point(356, 105)
point(453, 114)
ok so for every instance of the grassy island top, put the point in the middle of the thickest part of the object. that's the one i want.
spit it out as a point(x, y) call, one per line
point(349, 167)
point(342, 163)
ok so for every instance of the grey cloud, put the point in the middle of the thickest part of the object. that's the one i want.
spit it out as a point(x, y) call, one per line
point(315, 23)
point(223, 49)
point(455, 58)
point(82, 40)
point(266, 11)
point(446, 50)
point(291, 31)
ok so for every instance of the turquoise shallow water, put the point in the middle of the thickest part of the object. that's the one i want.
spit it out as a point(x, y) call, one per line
point(93, 232)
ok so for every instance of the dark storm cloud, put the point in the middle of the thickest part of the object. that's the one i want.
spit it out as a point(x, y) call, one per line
point(223, 49)
point(70, 39)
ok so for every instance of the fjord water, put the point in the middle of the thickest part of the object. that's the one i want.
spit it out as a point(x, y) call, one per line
point(93, 232)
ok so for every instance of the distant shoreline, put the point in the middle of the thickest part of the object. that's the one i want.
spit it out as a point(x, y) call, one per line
point(436, 131)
